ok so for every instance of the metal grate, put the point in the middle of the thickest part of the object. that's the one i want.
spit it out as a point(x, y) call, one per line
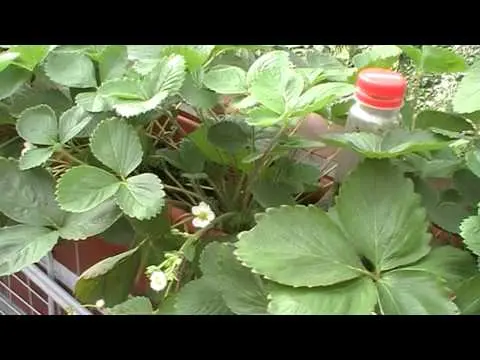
point(42, 289)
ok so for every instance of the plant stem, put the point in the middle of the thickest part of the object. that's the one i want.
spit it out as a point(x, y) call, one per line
point(71, 157)
point(183, 191)
point(187, 193)
point(8, 142)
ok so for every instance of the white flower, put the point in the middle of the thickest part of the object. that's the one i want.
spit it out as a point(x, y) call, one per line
point(158, 280)
point(100, 303)
point(27, 146)
point(203, 215)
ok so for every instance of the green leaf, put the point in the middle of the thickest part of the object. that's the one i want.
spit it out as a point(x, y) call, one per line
point(30, 55)
point(225, 79)
point(141, 52)
point(6, 58)
point(468, 184)
point(377, 56)
point(446, 213)
point(11, 79)
point(263, 117)
point(120, 233)
point(72, 122)
point(403, 292)
point(71, 69)
point(313, 247)
point(267, 80)
point(28, 196)
point(80, 226)
point(123, 89)
point(430, 119)
point(355, 297)
point(467, 296)
point(228, 135)
point(467, 98)
point(470, 232)
point(200, 138)
point(110, 279)
point(391, 144)
point(413, 53)
point(34, 157)
point(448, 263)
point(201, 297)
point(242, 290)
point(83, 188)
point(24, 245)
point(187, 158)
point(129, 108)
point(272, 194)
point(138, 305)
point(196, 96)
point(441, 60)
point(378, 190)
point(317, 97)
point(92, 102)
point(472, 158)
point(141, 196)
point(5, 116)
point(331, 67)
point(37, 95)
point(166, 77)
point(117, 145)
point(195, 55)
point(38, 125)
point(112, 62)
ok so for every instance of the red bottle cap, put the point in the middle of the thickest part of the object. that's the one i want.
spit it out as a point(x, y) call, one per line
point(381, 88)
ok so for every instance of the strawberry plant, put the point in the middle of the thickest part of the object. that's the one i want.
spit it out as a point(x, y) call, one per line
point(191, 157)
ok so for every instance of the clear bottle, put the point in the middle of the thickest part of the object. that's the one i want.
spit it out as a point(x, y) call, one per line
point(379, 97)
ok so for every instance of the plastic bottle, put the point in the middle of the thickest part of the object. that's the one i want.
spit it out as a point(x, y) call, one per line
point(379, 96)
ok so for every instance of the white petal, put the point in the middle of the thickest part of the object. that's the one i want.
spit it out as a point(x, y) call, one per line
point(210, 216)
point(158, 280)
point(200, 223)
point(196, 210)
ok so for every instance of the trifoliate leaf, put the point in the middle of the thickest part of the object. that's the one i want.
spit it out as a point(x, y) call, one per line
point(24, 245)
point(138, 305)
point(83, 188)
point(141, 196)
point(466, 296)
point(403, 292)
point(298, 246)
point(195, 55)
point(242, 290)
point(101, 281)
point(225, 79)
point(392, 144)
point(71, 69)
point(34, 157)
point(228, 135)
point(92, 102)
point(378, 190)
point(450, 264)
point(441, 60)
point(71, 122)
point(38, 125)
point(80, 226)
point(317, 97)
point(117, 145)
point(354, 297)
point(112, 62)
point(201, 297)
point(30, 55)
point(30, 97)
point(377, 56)
point(28, 196)
point(166, 77)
